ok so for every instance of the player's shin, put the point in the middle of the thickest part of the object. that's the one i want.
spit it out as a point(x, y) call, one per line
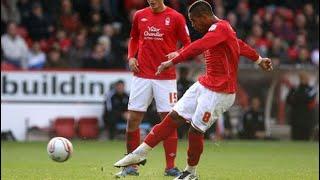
point(161, 131)
point(133, 140)
point(195, 149)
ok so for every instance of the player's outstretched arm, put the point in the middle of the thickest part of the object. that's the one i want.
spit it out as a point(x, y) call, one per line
point(250, 53)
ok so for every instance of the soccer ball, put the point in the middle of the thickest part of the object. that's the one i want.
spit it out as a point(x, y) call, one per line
point(59, 149)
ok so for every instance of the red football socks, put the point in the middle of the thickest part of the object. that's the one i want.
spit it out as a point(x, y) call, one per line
point(170, 147)
point(195, 148)
point(161, 131)
point(133, 140)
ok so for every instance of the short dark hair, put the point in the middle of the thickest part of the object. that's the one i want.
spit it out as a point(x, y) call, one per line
point(119, 82)
point(200, 8)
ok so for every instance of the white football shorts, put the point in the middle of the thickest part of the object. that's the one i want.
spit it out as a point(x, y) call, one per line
point(144, 90)
point(202, 107)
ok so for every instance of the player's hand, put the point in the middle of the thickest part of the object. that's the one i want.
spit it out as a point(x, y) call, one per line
point(133, 65)
point(172, 55)
point(265, 64)
point(164, 66)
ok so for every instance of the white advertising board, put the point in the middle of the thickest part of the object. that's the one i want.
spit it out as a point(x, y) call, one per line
point(41, 96)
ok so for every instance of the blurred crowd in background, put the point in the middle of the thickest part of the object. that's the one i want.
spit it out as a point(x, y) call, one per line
point(93, 34)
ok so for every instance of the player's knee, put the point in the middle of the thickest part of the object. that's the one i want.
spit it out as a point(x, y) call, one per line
point(177, 118)
point(163, 114)
point(134, 120)
point(195, 131)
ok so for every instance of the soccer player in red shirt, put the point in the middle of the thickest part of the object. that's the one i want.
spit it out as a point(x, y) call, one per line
point(207, 99)
point(155, 32)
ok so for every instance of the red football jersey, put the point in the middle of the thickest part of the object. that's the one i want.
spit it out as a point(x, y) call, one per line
point(222, 50)
point(153, 36)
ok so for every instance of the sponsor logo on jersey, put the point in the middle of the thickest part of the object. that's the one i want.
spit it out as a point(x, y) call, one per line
point(144, 19)
point(153, 33)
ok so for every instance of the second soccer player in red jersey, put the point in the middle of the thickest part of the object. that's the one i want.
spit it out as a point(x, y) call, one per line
point(155, 32)
point(207, 99)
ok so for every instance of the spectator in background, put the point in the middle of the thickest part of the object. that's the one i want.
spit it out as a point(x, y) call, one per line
point(9, 11)
point(36, 58)
point(244, 18)
point(69, 19)
point(267, 19)
point(24, 7)
point(95, 27)
point(14, 48)
point(115, 9)
point(55, 59)
point(105, 38)
point(261, 44)
point(183, 84)
point(78, 51)
point(294, 50)
point(219, 10)
point(278, 49)
point(96, 6)
point(312, 24)
point(109, 56)
point(115, 110)
point(97, 59)
point(115, 47)
point(232, 18)
point(253, 125)
point(304, 56)
point(63, 40)
point(38, 24)
point(300, 23)
point(281, 29)
point(301, 101)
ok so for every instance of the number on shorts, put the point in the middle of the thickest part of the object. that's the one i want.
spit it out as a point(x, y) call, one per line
point(173, 97)
point(206, 117)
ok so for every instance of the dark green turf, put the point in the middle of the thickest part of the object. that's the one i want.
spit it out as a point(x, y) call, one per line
point(234, 160)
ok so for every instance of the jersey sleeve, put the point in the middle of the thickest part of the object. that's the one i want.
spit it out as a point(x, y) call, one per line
point(182, 31)
point(134, 38)
point(247, 51)
point(214, 36)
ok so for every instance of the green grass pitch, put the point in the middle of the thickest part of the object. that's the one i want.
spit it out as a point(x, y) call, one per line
point(226, 160)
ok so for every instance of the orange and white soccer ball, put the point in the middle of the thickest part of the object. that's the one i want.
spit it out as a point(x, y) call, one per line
point(59, 149)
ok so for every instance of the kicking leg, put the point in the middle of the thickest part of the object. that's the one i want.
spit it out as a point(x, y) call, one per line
point(158, 133)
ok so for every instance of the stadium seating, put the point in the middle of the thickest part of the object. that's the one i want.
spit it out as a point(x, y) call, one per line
point(88, 128)
point(64, 127)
